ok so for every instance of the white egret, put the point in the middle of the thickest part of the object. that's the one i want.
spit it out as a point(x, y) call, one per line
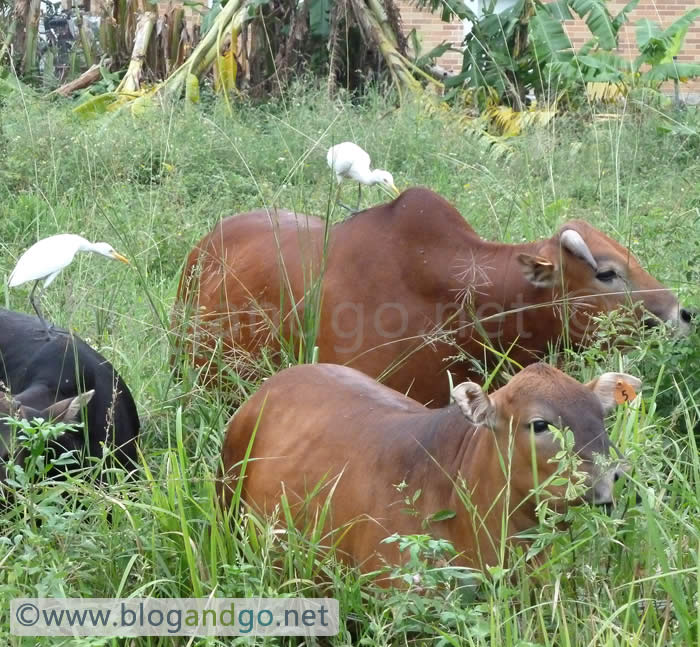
point(349, 161)
point(46, 258)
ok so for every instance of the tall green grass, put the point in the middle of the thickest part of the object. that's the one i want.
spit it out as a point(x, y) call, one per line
point(153, 186)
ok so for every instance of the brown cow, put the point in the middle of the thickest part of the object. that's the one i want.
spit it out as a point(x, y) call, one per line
point(406, 285)
point(323, 423)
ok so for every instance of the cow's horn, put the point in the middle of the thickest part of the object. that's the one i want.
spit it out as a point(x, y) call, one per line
point(573, 241)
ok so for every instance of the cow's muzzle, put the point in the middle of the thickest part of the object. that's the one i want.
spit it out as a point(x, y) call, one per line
point(682, 318)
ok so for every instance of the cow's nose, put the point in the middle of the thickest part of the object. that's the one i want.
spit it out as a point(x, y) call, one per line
point(687, 316)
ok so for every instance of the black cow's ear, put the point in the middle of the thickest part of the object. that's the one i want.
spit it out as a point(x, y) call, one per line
point(8, 405)
point(474, 404)
point(541, 272)
point(68, 410)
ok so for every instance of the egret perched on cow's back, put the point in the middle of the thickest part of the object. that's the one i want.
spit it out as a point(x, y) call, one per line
point(46, 258)
point(349, 161)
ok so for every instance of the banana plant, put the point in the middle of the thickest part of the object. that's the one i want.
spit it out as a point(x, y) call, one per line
point(527, 48)
point(658, 48)
point(497, 55)
point(595, 64)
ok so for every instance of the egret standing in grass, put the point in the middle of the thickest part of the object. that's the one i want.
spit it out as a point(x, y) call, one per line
point(349, 161)
point(46, 258)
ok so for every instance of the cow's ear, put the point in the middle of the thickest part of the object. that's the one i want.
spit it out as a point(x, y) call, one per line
point(68, 410)
point(8, 405)
point(542, 273)
point(615, 388)
point(474, 404)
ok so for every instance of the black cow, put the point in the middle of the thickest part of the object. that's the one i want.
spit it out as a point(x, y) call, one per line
point(41, 372)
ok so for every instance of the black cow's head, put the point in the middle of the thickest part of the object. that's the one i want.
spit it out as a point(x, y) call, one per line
point(66, 411)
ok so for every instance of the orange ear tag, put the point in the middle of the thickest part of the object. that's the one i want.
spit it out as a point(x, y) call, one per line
point(624, 392)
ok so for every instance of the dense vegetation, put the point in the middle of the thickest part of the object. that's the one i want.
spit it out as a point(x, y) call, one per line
point(126, 54)
point(153, 185)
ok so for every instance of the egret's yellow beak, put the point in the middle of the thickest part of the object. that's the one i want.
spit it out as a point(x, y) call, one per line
point(392, 191)
point(119, 257)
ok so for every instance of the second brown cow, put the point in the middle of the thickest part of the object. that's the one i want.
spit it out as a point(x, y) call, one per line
point(368, 449)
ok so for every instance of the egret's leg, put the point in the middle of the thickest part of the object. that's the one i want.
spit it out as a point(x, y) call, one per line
point(337, 197)
point(31, 300)
point(359, 195)
point(337, 194)
point(37, 310)
point(345, 206)
point(339, 203)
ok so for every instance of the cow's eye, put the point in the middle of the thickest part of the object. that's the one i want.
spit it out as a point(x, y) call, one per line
point(538, 426)
point(606, 276)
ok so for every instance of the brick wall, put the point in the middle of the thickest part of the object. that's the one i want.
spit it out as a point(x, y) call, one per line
point(433, 31)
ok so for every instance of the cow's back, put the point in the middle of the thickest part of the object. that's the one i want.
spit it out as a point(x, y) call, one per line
point(387, 273)
point(318, 424)
point(65, 366)
point(238, 277)
point(392, 279)
point(21, 337)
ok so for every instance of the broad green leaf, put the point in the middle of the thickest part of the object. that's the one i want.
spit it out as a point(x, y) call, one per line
point(210, 17)
point(434, 53)
point(559, 9)
point(674, 47)
point(96, 105)
point(606, 61)
point(672, 71)
point(682, 23)
point(548, 36)
point(656, 46)
point(449, 9)
point(567, 70)
point(604, 76)
point(109, 77)
point(320, 18)
point(646, 31)
point(456, 8)
point(675, 33)
point(598, 19)
point(622, 17)
point(587, 47)
point(458, 80)
point(141, 104)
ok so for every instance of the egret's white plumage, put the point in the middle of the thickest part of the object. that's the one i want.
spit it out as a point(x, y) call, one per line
point(349, 161)
point(46, 258)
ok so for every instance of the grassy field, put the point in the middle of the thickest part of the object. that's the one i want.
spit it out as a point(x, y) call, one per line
point(153, 185)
